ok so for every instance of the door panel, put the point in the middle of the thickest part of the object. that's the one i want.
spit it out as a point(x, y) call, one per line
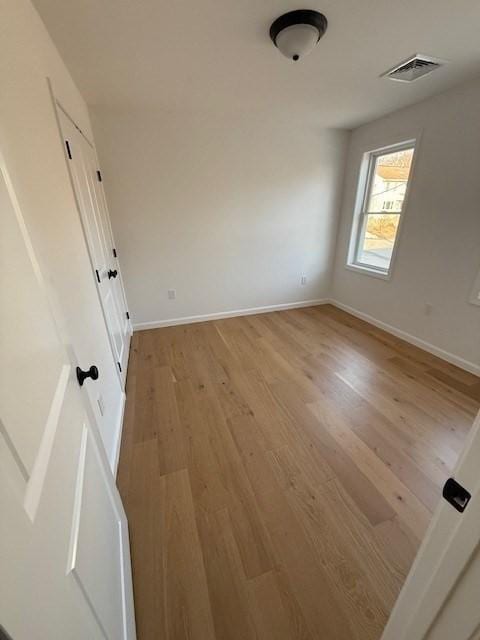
point(462, 610)
point(118, 285)
point(43, 425)
point(28, 344)
point(96, 543)
point(34, 363)
point(116, 329)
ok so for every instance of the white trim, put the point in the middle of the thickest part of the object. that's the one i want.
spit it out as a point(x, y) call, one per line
point(370, 271)
point(418, 342)
point(115, 455)
point(157, 324)
point(129, 630)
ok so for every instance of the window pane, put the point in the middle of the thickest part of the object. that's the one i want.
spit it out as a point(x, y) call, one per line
point(389, 182)
point(376, 246)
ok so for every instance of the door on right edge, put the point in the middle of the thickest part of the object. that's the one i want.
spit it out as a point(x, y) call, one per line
point(441, 596)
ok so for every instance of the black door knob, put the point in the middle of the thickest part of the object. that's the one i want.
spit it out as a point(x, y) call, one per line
point(112, 274)
point(89, 373)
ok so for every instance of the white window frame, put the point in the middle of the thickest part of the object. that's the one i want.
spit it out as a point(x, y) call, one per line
point(365, 182)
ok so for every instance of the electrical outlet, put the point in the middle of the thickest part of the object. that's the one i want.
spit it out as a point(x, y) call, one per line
point(303, 280)
point(172, 294)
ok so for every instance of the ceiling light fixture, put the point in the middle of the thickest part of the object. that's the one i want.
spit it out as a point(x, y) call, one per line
point(297, 32)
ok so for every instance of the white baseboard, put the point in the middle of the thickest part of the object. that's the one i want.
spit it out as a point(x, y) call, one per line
point(418, 342)
point(115, 454)
point(156, 324)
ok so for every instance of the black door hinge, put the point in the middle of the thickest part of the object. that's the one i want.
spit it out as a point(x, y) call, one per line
point(114, 251)
point(128, 315)
point(69, 151)
point(119, 367)
point(98, 275)
point(99, 175)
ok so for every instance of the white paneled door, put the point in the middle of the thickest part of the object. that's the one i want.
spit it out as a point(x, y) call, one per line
point(87, 183)
point(64, 555)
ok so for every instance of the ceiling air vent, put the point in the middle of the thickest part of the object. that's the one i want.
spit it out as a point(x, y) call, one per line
point(413, 68)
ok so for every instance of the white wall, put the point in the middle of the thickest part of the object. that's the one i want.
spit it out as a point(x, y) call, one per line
point(31, 145)
point(229, 210)
point(439, 251)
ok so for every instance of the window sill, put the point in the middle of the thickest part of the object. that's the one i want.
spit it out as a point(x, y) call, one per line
point(367, 271)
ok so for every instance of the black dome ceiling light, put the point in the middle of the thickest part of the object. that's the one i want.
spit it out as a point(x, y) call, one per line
point(297, 32)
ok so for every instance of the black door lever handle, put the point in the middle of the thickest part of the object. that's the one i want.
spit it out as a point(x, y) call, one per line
point(89, 373)
point(112, 274)
point(456, 495)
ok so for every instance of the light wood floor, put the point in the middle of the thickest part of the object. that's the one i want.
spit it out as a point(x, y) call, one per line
point(278, 472)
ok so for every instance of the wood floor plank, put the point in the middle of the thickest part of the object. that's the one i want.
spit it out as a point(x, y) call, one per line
point(287, 466)
point(310, 583)
point(414, 353)
point(398, 547)
point(398, 461)
point(227, 585)
point(177, 345)
point(248, 439)
point(171, 595)
point(366, 418)
point(216, 463)
point(347, 579)
point(399, 412)
point(275, 423)
point(276, 612)
point(419, 409)
point(145, 405)
point(278, 472)
point(249, 532)
point(403, 502)
point(208, 488)
point(355, 534)
point(467, 385)
point(143, 504)
point(168, 430)
point(187, 602)
point(365, 494)
point(406, 368)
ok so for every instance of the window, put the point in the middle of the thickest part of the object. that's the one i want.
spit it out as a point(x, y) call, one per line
point(375, 231)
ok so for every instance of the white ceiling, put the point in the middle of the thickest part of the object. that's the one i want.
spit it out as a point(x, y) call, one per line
point(217, 55)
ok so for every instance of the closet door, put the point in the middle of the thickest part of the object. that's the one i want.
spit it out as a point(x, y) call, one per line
point(86, 179)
